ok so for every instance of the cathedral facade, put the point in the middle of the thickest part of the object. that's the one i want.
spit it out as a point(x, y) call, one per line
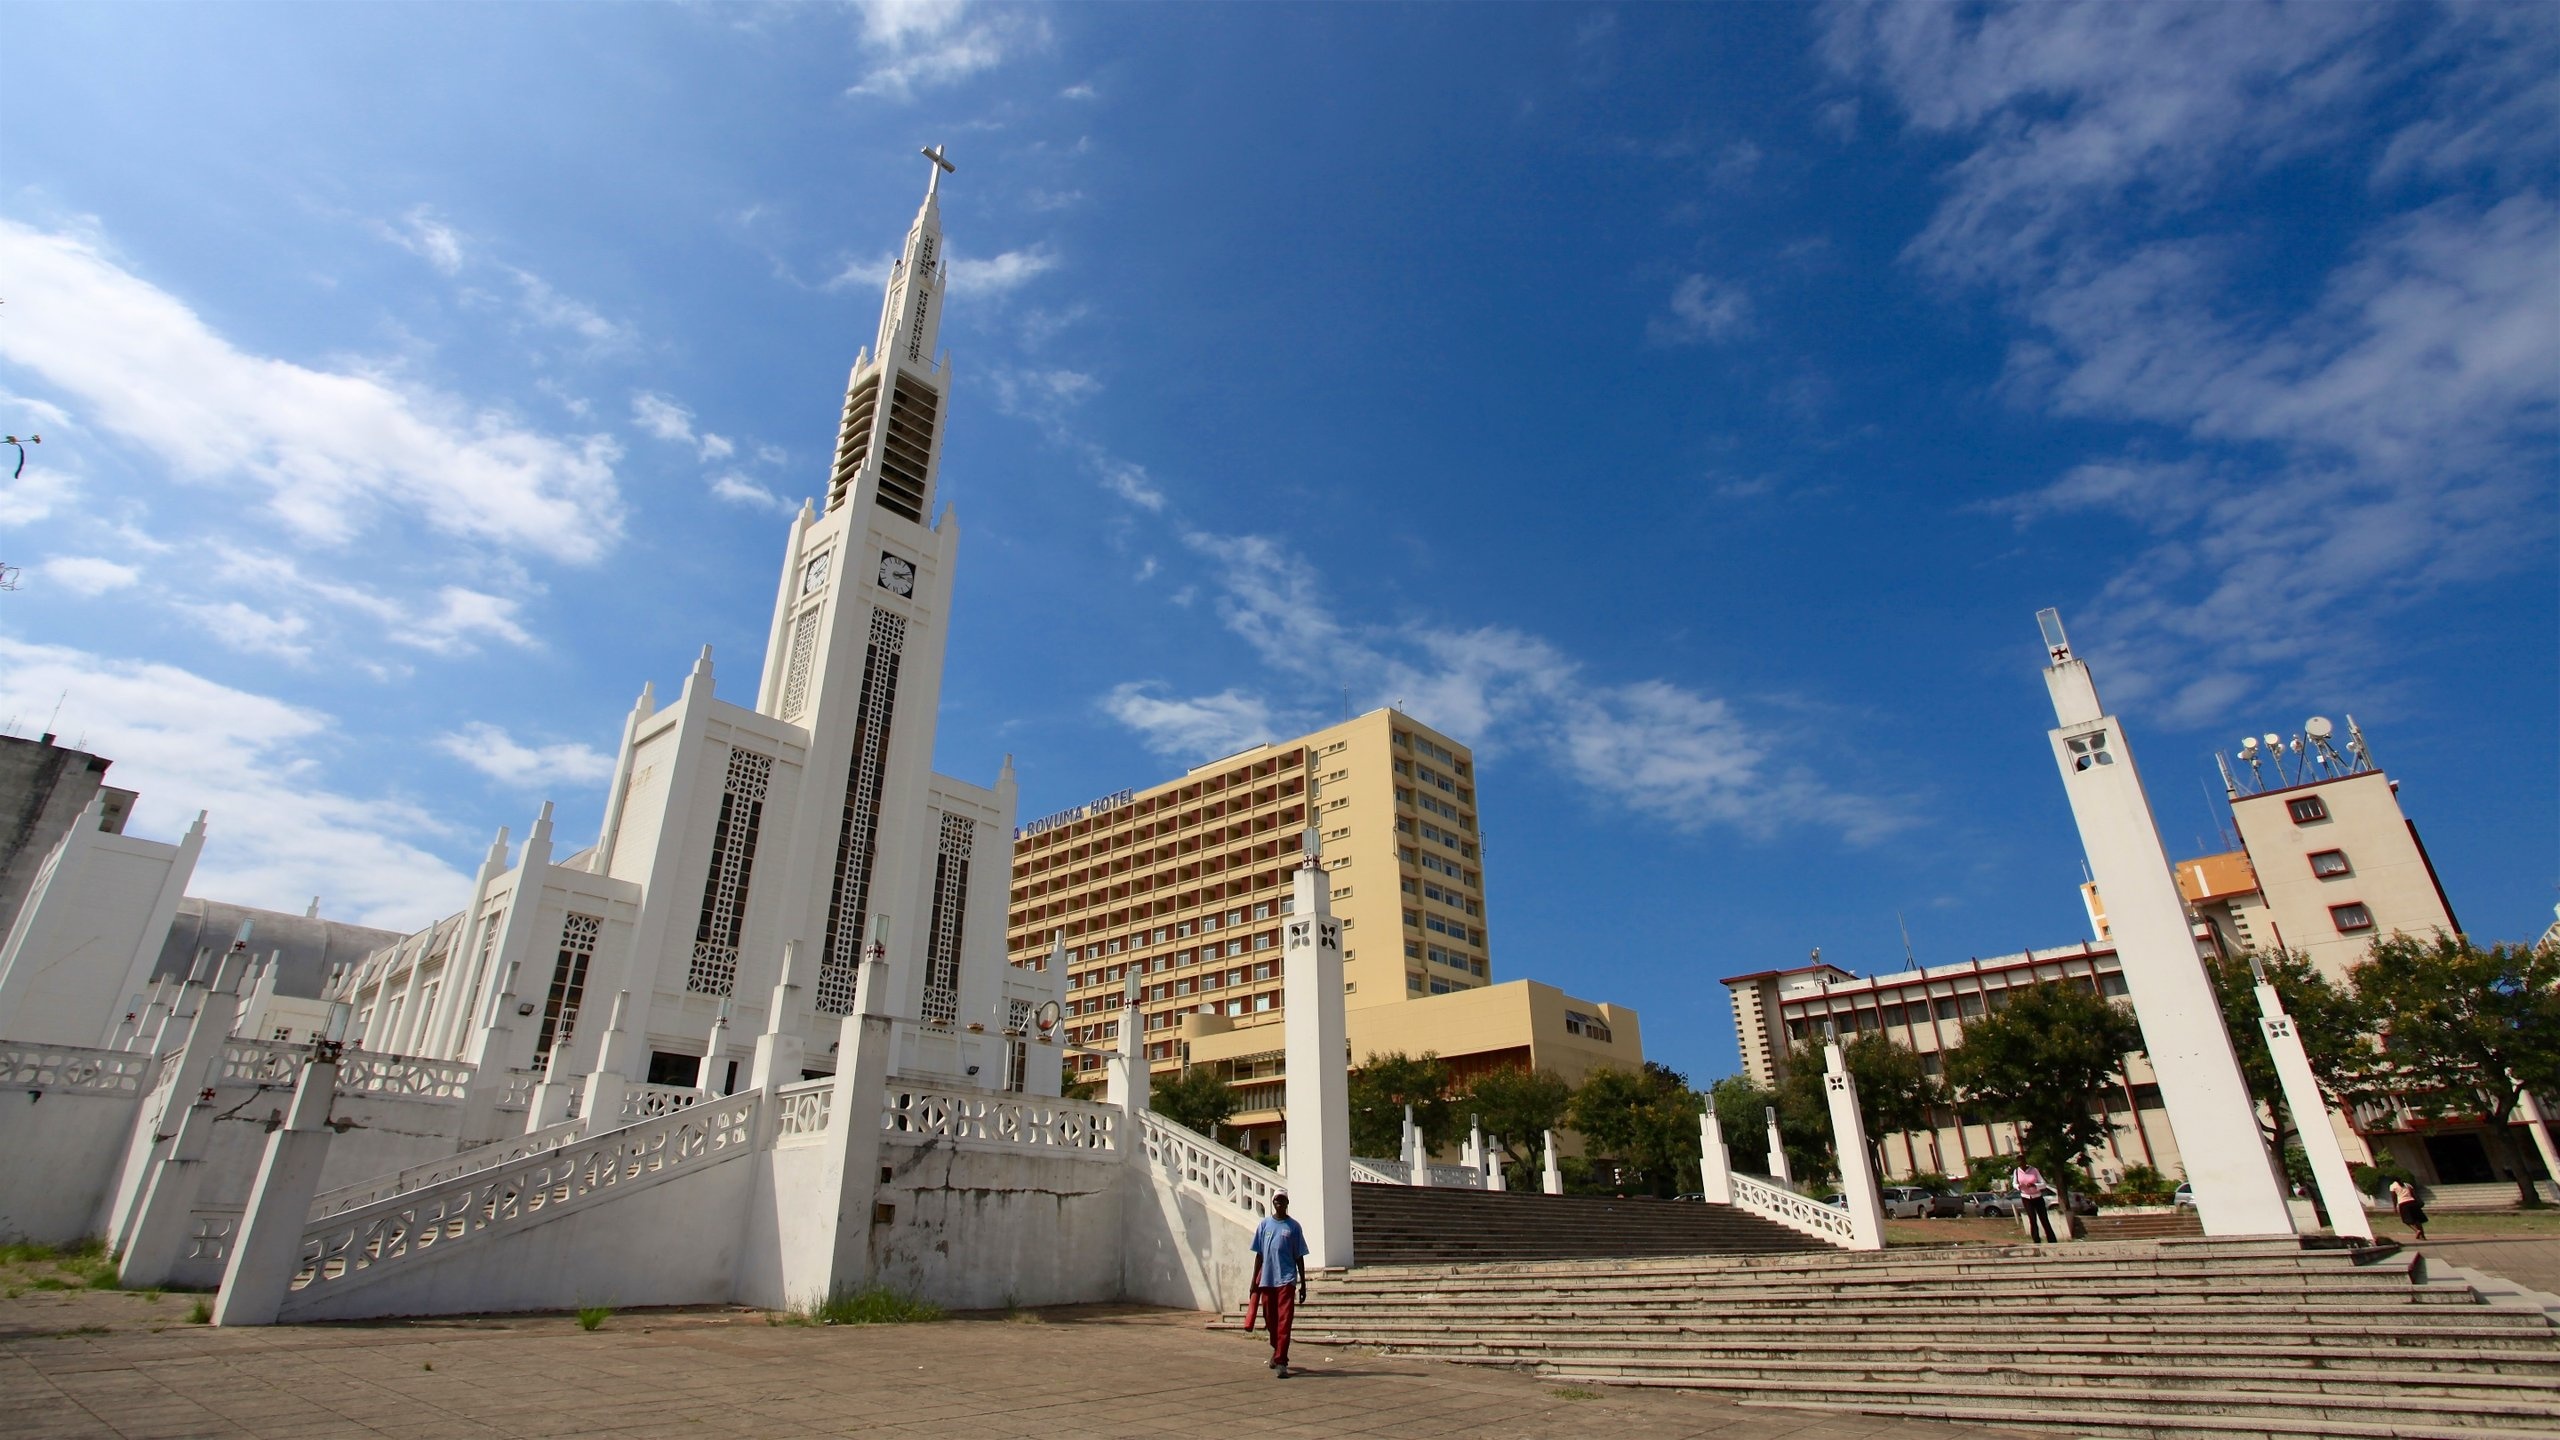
point(752, 855)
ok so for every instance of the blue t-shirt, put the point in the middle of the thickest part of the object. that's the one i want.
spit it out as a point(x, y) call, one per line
point(1281, 1245)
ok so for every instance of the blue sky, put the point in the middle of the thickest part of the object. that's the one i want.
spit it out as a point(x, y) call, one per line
point(1690, 407)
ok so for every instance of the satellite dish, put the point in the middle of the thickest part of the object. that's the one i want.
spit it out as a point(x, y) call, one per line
point(2274, 741)
point(2317, 727)
point(2248, 746)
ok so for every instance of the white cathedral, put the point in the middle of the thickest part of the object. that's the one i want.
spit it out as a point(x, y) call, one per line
point(798, 831)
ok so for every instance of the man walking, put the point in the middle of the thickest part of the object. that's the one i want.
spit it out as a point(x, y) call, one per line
point(1279, 1277)
point(2033, 1195)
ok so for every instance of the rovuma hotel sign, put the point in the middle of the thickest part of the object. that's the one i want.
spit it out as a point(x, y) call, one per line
point(1073, 813)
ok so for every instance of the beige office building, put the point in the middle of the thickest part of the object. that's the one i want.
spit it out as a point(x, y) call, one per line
point(1184, 884)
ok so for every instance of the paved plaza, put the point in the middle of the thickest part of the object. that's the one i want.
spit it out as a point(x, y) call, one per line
point(77, 1365)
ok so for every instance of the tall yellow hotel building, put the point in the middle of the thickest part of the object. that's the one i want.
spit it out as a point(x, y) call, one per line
point(1184, 885)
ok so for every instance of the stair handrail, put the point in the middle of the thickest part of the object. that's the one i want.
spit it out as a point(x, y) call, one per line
point(1800, 1213)
point(363, 1244)
point(1376, 1172)
point(1201, 1166)
point(449, 1167)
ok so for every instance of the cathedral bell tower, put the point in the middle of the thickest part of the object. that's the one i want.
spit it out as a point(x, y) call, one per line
point(855, 653)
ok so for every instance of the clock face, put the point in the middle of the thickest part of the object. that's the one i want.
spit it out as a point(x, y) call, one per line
point(816, 575)
point(897, 574)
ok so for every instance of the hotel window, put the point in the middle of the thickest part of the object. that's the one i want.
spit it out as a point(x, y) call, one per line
point(2111, 982)
point(1412, 951)
point(2306, 809)
point(1412, 983)
point(2330, 863)
point(2351, 918)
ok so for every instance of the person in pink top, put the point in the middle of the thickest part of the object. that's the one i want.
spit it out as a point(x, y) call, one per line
point(2035, 1196)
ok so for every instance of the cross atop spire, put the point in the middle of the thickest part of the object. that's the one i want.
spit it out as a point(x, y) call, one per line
point(941, 167)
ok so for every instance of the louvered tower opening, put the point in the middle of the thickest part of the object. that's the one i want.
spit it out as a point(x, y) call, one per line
point(906, 452)
point(853, 438)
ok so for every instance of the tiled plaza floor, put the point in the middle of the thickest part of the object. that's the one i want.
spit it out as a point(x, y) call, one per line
point(99, 1364)
point(2529, 1260)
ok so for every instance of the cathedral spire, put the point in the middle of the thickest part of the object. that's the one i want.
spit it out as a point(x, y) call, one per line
point(888, 440)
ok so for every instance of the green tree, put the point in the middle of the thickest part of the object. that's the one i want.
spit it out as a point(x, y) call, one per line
point(1646, 1120)
point(2336, 1029)
point(2465, 1032)
point(1073, 1085)
point(1382, 1088)
point(1896, 1092)
point(1199, 1098)
point(2044, 1061)
point(1519, 1105)
point(1742, 1109)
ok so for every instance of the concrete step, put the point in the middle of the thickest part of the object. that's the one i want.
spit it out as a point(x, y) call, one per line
point(2043, 1405)
point(2064, 1421)
point(2024, 1278)
point(2208, 1315)
point(2140, 1373)
point(2114, 1293)
point(2535, 1362)
point(1794, 1334)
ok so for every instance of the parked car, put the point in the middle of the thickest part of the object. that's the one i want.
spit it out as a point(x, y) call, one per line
point(1991, 1203)
point(2083, 1203)
point(1946, 1206)
point(2185, 1198)
point(1905, 1202)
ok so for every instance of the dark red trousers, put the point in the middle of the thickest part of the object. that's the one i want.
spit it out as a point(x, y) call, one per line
point(1279, 1306)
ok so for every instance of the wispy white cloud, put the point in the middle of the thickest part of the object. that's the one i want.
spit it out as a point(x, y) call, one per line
point(1680, 757)
point(328, 449)
point(422, 234)
point(2340, 450)
point(546, 307)
point(279, 633)
point(915, 45)
point(1001, 275)
point(280, 830)
point(738, 489)
point(1192, 728)
point(1703, 308)
point(88, 575)
point(493, 752)
point(1083, 91)
point(667, 420)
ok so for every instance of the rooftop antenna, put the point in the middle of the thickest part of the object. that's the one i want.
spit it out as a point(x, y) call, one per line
point(2248, 754)
point(1908, 957)
point(2356, 745)
point(49, 720)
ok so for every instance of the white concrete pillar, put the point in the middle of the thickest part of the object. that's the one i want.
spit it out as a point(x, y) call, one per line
point(713, 1082)
point(269, 1247)
point(159, 1231)
point(2237, 1186)
point(1319, 1060)
point(853, 1137)
point(210, 1007)
point(1778, 1152)
point(2310, 1111)
point(1715, 1163)
point(1857, 1167)
point(1127, 1080)
point(1493, 1166)
point(1475, 1147)
point(1417, 1156)
point(610, 1081)
point(551, 1096)
point(778, 1050)
point(1551, 1178)
point(2537, 1118)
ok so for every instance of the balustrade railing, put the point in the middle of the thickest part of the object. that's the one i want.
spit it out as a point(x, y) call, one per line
point(1379, 1172)
point(361, 1072)
point(211, 1229)
point(801, 1112)
point(74, 1069)
point(647, 1102)
point(1191, 1159)
point(260, 1062)
point(518, 1094)
point(1031, 1122)
point(451, 1167)
point(372, 1240)
point(1800, 1213)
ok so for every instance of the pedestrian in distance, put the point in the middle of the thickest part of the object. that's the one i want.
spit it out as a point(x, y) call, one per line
point(1279, 1278)
point(2034, 1197)
point(2404, 1198)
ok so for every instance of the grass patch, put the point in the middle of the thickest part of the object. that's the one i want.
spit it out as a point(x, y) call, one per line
point(151, 1295)
point(1574, 1392)
point(79, 1330)
point(870, 1305)
point(591, 1316)
point(2470, 1224)
point(200, 1313)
